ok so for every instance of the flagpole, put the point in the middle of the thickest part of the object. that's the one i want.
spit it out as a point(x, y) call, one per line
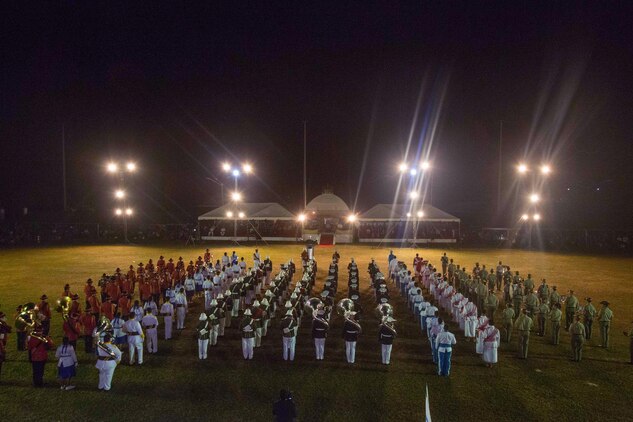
point(305, 194)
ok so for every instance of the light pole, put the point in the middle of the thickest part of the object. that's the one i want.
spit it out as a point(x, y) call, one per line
point(120, 194)
point(236, 196)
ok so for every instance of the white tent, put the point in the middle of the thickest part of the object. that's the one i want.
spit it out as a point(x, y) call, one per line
point(252, 211)
point(327, 202)
point(398, 212)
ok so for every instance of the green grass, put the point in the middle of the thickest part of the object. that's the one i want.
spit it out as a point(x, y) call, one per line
point(175, 384)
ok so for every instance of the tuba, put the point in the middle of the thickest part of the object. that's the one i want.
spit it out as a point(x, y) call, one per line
point(312, 304)
point(104, 327)
point(63, 307)
point(344, 306)
point(26, 318)
point(384, 310)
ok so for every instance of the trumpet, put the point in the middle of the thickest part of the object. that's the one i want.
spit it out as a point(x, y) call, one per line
point(63, 307)
point(26, 318)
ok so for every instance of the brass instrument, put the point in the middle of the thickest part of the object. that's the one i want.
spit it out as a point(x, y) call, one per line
point(312, 304)
point(384, 310)
point(63, 307)
point(27, 321)
point(344, 306)
point(104, 327)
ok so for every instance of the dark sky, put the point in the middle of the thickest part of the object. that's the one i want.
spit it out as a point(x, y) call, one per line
point(180, 88)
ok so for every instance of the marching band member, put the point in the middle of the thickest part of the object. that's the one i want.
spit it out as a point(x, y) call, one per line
point(45, 314)
point(167, 312)
point(436, 326)
point(258, 316)
point(38, 346)
point(180, 302)
point(106, 363)
point(120, 339)
point(150, 323)
point(203, 336)
point(523, 324)
point(214, 323)
point(89, 323)
point(135, 336)
point(151, 306)
point(482, 323)
point(506, 318)
point(66, 364)
point(137, 310)
point(221, 313)
point(444, 345)
point(491, 342)
point(386, 335)
point(351, 330)
point(320, 328)
point(248, 335)
point(289, 327)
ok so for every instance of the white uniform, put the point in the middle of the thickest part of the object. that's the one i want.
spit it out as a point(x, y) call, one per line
point(207, 287)
point(180, 303)
point(66, 355)
point(481, 324)
point(150, 323)
point(106, 367)
point(491, 343)
point(134, 340)
point(167, 311)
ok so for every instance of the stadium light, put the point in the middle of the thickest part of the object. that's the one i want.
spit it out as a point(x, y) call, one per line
point(226, 167)
point(119, 194)
point(403, 167)
point(413, 172)
point(408, 215)
point(118, 211)
point(236, 196)
point(420, 214)
point(351, 218)
point(536, 217)
point(229, 214)
point(247, 168)
point(546, 169)
point(130, 166)
point(301, 218)
point(413, 195)
point(129, 211)
point(235, 173)
point(112, 167)
point(525, 217)
point(241, 214)
point(425, 165)
point(534, 198)
point(522, 168)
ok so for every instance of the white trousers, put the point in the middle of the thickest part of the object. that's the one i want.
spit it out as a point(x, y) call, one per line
point(136, 348)
point(203, 347)
point(289, 347)
point(386, 353)
point(350, 351)
point(180, 317)
point(168, 326)
point(247, 347)
point(152, 340)
point(258, 337)
point(221, 327)
point(265, 328)
point(319, 346)
point(213, 335)
point(105, 377)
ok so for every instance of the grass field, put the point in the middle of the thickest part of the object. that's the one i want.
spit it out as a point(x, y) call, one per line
point(174, 384)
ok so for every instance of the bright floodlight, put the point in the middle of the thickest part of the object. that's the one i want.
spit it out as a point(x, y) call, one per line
point(525, 217)
point(351, 218)
point(301, 218)
point(229, 214)
point(130, 166)
point(118, 211)
point(226, 167)
point(522, 168)
point(119, 194)
point(534, 198)
point(129, 211)
point(247, 168)
point(402, 167)
point(236, 172)
point(112, 167)
point(236, 196)
point(413, 172)
point(425, 165)
point(413, 195)
point(420, 214)
point(408, 215)
point(545, 169)
point(240, 214)
point(537, 217)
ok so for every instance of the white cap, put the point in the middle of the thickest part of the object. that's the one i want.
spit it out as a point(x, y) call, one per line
point(220, 296)
point(203, 317)
point(214, 302)
point(289, 312)
point(247, 312)
point(325, 293)
point(293, 295)
point(265, 302)
point(288, 304)
point(256, 303)
point(228, 293)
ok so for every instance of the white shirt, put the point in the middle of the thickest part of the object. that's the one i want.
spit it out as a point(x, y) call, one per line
point(117, 324)
point(445, 337)
point(189, 284)
point(167, 308)
point(149, 320)
point(431, 310)
point(66, 356)
point(133, 326)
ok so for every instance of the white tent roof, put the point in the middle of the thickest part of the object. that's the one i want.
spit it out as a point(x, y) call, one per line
point(327, 202)
point(252, 211)
point(398, 212)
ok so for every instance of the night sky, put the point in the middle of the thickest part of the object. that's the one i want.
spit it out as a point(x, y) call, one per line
point(180, 89)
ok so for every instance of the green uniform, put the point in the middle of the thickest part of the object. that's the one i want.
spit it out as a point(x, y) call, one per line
point(605, 317)
point(577, 331)
point(481, 292)
point(507, 316)
point(590, 314)
point(543, 292)
point(517, 300)
point(492, 278)
point(523, 324)
point(554, 298)
point(532, 304)
point(571, 306)
point(543, 313)
point(555, 317)
point(492, 303)
point(528, 284)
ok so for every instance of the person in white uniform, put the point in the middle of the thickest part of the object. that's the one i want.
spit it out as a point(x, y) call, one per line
point(167, 312)
point(492, 338)
point(107, 360)
point(66, 364)
point(132, 328)
point(150, 324)
point(180, 302)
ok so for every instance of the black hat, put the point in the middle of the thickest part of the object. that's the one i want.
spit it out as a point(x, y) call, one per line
point(605, 303)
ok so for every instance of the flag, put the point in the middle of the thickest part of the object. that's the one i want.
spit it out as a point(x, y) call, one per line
point(428, 408)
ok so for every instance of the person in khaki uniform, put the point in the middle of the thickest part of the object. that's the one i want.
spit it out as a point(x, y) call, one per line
point(571, 306)
point(577, 331)
point(492, 303)
point(543, 313)
point(506, 318)
point(555, 317)
point(532, 303)
point(604, 317)
point(590, 314)
point(523, 324)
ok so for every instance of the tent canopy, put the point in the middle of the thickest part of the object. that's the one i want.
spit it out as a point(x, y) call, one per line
point(252, 211)
point(398, 212)
point(327, 202)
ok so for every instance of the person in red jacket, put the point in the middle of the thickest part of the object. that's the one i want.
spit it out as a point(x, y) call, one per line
point(107, 309)
point(38, 346)
point(72, 329)
point(89, 323)
point(75, 306)
point(94, 305)
point(124, 303)
point(45, 314)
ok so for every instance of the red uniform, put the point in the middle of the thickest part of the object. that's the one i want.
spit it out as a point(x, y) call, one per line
point(107, 309)
point(126, 286)
point(93, 301)
point(75, 307)
point(39, 349)
point(146, 291)
point(88, 322)
point(124, 305)
point(72, 330)
point(207, 257)
point(112, 290)
point(131, 274)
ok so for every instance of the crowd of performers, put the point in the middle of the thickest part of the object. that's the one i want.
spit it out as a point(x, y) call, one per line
point(110, 322)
